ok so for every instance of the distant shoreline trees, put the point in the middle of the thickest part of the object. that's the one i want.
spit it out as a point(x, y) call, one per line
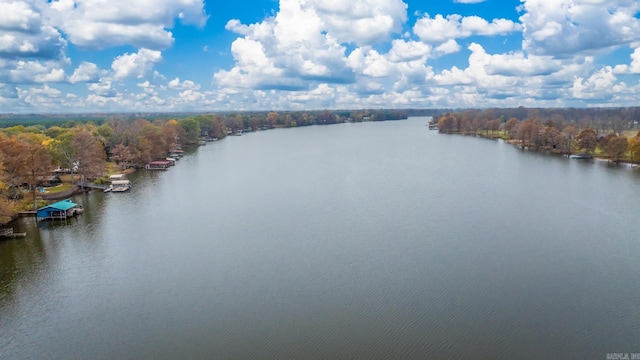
point(603, 132)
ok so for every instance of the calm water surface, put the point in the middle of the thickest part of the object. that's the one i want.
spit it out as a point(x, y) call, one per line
point(358, 241)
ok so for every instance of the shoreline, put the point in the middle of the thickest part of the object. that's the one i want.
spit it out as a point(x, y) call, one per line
point(61, 195)
point(518, 144)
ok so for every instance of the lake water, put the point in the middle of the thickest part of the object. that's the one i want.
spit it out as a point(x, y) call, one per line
point(352, 241)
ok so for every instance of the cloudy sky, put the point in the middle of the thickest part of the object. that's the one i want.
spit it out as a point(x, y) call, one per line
point(196, 55)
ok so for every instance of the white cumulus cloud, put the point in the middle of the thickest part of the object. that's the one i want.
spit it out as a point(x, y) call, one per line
point(269, 55)
point(185, 85)
point(440, 29)
point(564, 28)
point(86, 72)
point(359, 21)
point(135, 65)
point(33, 71)
point(597, 86)
point(25, 33)
point(141, 23)
point(103, 88)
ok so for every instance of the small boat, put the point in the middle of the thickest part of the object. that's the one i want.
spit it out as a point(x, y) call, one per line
point(108, 189)
point(582, 156)
point(172, 161)
point(121, 189)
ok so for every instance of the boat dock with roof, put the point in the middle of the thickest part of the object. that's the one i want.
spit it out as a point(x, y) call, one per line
point(59, 210)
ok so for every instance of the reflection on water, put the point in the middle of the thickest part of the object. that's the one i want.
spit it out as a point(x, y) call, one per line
point(20, 258)
point(373, 240)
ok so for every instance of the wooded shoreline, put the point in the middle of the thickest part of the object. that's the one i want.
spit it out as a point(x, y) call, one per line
point(32, 157)
point(91, 151)
point(613, 136)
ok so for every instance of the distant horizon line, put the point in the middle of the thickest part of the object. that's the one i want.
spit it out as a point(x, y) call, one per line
point(4, 115)
point(217, 111)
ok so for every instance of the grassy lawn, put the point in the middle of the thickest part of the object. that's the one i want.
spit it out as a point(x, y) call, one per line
point(110, 169)
point(60, 188)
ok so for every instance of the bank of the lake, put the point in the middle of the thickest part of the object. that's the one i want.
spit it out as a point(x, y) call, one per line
point(585, 143)
point(359, 241)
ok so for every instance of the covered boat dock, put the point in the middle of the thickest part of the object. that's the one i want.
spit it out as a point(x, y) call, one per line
point(158, 165)
point(60, 210)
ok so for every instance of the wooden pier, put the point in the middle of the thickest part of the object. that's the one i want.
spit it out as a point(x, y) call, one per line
point(90, 185)
point(8, 233)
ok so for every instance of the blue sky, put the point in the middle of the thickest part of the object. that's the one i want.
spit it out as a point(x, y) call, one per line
point(191, 55)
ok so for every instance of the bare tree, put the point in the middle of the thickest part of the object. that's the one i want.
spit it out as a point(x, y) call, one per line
point(37, 162)
point(510, 126)
point(89, 155)
point(634, 148)
point(616, 147)
point(122, 156)
point(619, 123)
point(528, 132)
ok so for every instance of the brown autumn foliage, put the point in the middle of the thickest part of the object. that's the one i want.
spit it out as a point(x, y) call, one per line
point(587, 140)
point(557, 130)
point(634, 148)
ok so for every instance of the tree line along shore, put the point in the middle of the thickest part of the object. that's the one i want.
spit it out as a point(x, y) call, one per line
point(32, 157)
point(610, 134)
point(91, 149)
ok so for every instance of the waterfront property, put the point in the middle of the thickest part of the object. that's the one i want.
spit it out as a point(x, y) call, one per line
point(176, 153)
point(158, 165)
point(120, 185)
point(60, 210)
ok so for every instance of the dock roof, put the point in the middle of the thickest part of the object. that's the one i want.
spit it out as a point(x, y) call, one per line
point(63, 205)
